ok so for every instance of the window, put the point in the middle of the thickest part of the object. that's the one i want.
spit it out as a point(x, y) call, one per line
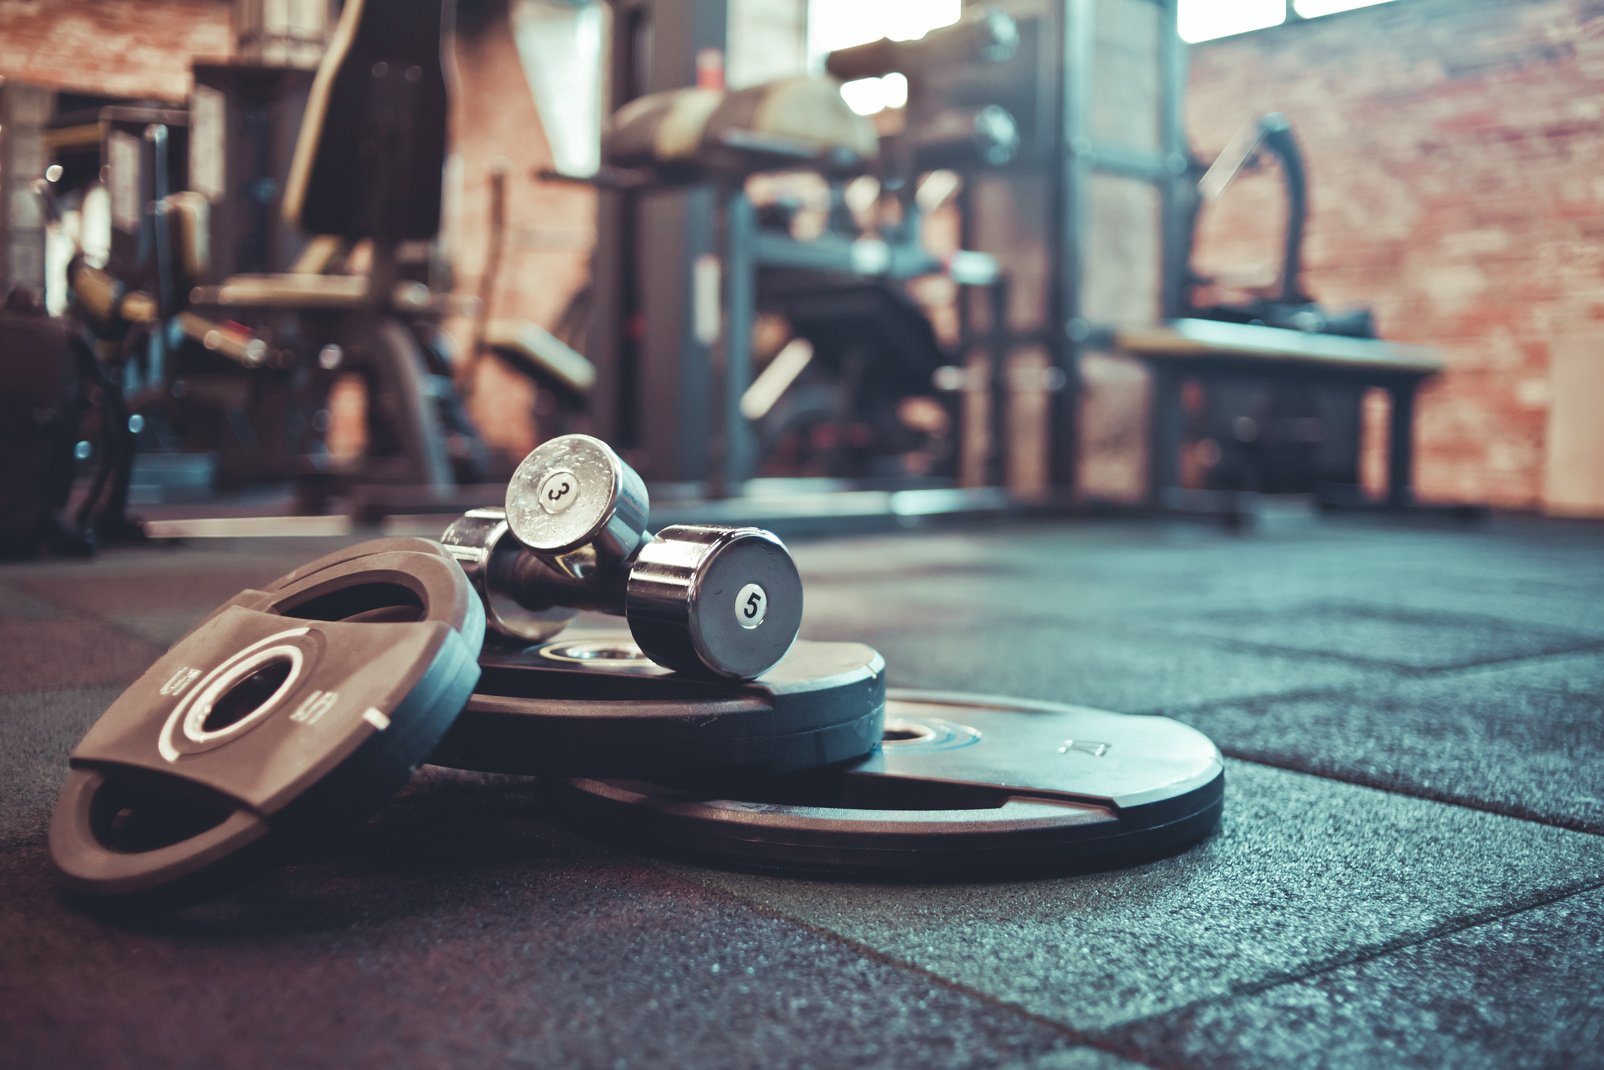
point(1204, 20)
point(1312, 9)
point(834, 24)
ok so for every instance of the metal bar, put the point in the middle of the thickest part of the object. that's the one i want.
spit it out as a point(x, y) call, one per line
point(1124, 162)
point(1001, 388)
point(1070, 216)
point(1164, 434)
point(735, 449)
point(1401, 447)
point(1177, 239)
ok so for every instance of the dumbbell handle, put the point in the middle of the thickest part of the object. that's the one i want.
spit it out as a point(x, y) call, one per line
point(539, 582)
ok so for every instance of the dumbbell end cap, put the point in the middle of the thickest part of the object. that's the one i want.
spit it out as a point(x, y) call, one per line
point(575, 491)
point(717, 601)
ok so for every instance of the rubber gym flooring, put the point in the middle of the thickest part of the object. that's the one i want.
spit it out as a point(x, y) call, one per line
point(1410, 870)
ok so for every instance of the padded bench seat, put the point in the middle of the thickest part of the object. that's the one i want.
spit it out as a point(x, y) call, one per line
point(1183, 348)
point(779, 125)
point(1246, 346)
point(310, 293)
point(542, 355)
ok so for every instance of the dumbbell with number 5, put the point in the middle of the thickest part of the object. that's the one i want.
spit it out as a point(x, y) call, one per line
point(702, 599)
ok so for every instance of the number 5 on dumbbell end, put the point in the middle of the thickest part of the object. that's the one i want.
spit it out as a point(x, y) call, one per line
point(701, 599)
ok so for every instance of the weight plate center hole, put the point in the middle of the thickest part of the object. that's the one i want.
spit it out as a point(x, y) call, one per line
point(906, 732)
point(248, 695)
point(597, 653)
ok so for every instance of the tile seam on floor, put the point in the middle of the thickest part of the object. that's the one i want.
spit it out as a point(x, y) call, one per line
point(1533, 819)
point(1586, 641)
point(1215, 705)
point(1400, 668)
point(1322, 691)
point(1524, 685)
point(1466, 923)
point(1586, 644)
point(1099, 1038)
point(1069, 1032)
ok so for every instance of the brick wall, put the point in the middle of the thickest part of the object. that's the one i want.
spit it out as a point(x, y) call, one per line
point(549, 226)
point(133, 48)
point(1454, 151)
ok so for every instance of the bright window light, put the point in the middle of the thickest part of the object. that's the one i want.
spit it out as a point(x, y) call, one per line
point(1313, 9)
point(1204, 20)
point(869, 95)
point(834, 24)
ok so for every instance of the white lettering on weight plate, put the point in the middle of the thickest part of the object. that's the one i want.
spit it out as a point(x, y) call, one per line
point(314, 706)
point(180, 680)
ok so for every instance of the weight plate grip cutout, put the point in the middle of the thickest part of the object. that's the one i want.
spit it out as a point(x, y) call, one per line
point(288, 713)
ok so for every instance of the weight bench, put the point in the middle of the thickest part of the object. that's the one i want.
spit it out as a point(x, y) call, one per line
point(1210, 351)
point(368, 168)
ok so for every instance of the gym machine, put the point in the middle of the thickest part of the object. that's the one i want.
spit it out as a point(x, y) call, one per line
point(1090, 217)
point(685, 260)
point(1286, 304)
point(1282, 435)
point(366, 170)
point(239, 366)
point(132, 311)
point(1279, 380)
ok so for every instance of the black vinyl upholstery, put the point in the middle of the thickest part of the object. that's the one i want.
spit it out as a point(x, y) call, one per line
point(373, 142)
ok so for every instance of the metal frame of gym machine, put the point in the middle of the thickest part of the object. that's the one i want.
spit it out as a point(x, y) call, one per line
point(709, 235)
point(1063, 154)
point(652, 245)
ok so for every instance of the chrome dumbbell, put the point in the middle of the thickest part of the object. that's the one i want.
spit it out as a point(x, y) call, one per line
point(703, 599)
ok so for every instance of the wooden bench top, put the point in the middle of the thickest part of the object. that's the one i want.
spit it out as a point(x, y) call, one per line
point(1193, 339)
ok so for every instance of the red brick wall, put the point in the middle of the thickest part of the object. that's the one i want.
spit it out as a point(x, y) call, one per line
point(134, 48)
point(1454, 150)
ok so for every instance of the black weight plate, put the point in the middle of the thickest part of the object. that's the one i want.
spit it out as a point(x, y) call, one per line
point(595, 706)
point(287, 713)
point(963, 788)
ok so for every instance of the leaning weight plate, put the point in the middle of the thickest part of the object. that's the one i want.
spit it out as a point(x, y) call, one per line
point(370, 548)
point(963, 788)
point(287, 713)
point(362, 551)
point(595, 705)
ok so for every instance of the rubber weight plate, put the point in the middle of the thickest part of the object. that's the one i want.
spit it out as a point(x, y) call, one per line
point(594, 705)
point(962, 788)
point(288, 712)
point(380, 610)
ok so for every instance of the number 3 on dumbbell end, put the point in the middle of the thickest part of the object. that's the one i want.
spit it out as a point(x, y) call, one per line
point(751, 606)
point(557, 491)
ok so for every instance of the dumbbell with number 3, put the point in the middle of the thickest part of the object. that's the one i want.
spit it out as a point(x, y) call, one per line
point(702, 599)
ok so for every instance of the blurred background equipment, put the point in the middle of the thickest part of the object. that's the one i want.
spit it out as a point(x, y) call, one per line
point(687, 262)
point(228, 331)
point(957, 248)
